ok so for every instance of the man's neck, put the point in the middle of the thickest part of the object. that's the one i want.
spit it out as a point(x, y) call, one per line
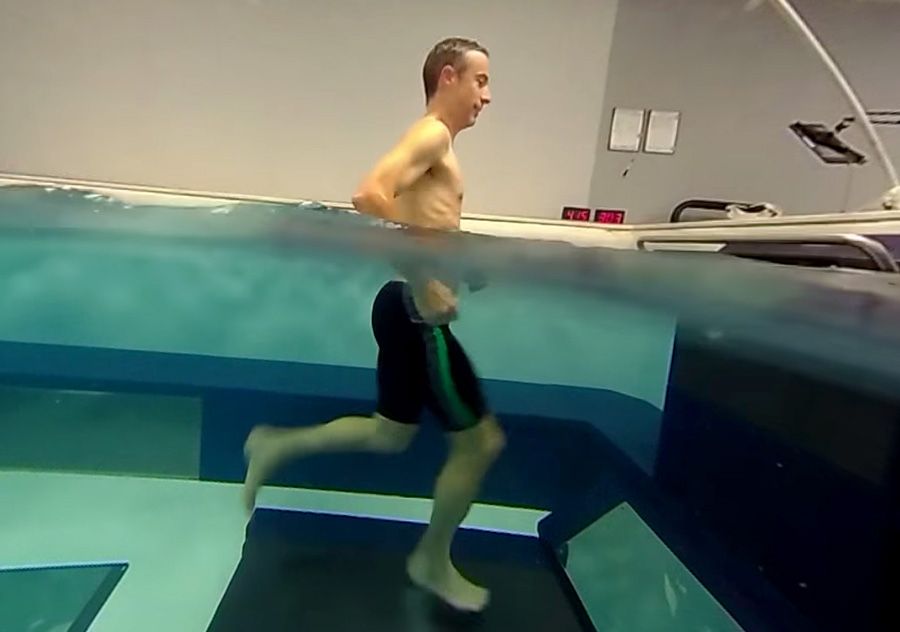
point(437, 112)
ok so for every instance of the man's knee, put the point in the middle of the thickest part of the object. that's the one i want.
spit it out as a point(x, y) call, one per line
point(492, 439)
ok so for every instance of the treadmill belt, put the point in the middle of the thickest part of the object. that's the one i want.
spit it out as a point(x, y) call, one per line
point(309, 572)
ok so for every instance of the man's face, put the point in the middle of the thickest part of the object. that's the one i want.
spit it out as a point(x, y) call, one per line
point(470, 91)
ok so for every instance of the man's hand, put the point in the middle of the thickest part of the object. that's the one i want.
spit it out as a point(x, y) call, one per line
point(423, 146)
point(436, 303)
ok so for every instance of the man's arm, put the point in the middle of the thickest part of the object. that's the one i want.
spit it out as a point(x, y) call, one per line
point(422, 147)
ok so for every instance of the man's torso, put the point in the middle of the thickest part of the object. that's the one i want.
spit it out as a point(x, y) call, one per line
point(435, 199)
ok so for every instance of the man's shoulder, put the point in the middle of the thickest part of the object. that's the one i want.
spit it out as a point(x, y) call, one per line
point(430, 131)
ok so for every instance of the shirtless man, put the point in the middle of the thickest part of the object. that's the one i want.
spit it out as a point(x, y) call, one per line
point(420, 363)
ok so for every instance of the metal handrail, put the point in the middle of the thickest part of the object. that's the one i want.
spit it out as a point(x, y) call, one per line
point(874, 250)
point(703, 205)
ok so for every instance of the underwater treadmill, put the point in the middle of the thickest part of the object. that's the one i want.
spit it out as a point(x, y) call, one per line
point(311, 571)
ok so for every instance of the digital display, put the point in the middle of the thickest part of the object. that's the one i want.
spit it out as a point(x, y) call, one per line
point(576, 214)
point(605, 216)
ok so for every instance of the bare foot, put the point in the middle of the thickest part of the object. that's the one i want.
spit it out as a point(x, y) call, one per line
point(261, 454)
point(445, 582)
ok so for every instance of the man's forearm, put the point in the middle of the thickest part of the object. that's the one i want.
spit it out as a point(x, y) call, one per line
point(376, 204)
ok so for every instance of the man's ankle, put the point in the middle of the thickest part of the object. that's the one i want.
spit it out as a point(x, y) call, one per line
point(431, 550)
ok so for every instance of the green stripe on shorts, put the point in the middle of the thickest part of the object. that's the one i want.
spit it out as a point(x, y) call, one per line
point(460, 410)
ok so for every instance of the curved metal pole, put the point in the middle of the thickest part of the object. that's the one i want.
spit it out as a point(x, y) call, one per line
point(791, 13)
point(874, 250)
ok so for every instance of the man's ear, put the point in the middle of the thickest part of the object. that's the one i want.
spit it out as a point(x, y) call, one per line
point(448, 74)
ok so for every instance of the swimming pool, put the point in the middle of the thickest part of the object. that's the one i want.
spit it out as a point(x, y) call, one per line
point(144, 340)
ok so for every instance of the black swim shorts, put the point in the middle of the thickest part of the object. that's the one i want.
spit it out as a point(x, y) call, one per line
point(420, 365)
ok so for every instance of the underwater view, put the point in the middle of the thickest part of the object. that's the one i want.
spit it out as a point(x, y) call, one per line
point(284, 346)
point(677, 436)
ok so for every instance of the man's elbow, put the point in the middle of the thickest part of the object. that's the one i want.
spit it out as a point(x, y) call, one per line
point(369, 200)
point(362, 200)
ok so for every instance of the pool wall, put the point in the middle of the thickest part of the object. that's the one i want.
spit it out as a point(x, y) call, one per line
point(551, 453)
point(796, 476)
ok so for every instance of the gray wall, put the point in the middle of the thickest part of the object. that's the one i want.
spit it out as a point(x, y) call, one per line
point(739, 80)
point(296, 98)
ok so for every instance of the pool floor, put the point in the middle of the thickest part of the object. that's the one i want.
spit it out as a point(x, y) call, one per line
point(182, 539)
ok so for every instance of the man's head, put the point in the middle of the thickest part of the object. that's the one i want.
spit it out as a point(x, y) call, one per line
point(456, 79)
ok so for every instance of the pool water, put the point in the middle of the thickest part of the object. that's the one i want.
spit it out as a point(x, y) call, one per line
point(255, 300)
point(56, 598)
point(252, 302)
point(140, 343)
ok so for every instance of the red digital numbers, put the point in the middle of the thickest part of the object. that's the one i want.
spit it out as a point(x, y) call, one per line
point(603, 216)
point(600, 216)
point(576, 214)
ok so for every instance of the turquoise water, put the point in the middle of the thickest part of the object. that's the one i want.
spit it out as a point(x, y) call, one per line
point(256, 298)
point(572, 338)
point(619, 562)
point(50, 599)
point(254, 302)
point(142, 284)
